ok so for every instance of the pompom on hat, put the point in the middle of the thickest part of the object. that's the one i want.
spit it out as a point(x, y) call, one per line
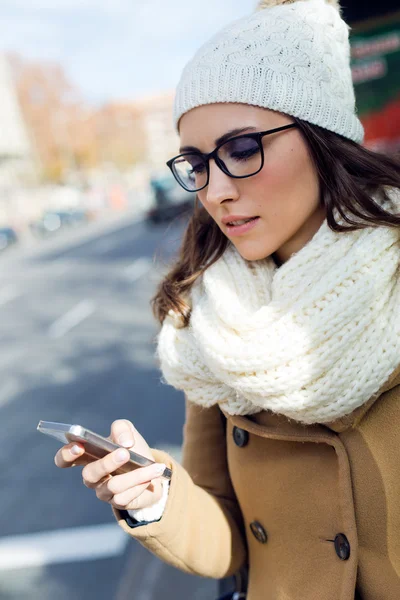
point(269, 3)
point(291, 56)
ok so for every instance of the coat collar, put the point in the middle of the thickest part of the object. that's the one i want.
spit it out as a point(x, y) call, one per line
point(352, 419)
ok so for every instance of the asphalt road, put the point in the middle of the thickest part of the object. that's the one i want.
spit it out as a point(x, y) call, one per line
point(77, 345)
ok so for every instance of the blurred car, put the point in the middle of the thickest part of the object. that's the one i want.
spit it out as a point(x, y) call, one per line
point(54, 220)
point(170, 200)
point(8, 237)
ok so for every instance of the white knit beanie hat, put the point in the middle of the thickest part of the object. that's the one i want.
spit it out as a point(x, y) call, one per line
point(290, 56)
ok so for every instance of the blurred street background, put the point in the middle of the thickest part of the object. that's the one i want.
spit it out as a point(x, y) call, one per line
point(90, 219)
point(77, 346)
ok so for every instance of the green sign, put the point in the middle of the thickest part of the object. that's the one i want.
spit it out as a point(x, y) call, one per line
point(375, 65)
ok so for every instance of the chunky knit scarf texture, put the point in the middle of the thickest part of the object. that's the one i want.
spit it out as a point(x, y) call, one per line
point(312, 340)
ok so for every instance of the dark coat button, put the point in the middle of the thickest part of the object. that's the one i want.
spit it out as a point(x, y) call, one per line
point(342, 546)
point(259, 532)
point(240, 437)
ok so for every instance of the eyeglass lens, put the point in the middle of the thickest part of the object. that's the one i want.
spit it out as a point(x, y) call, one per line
point(241, 157)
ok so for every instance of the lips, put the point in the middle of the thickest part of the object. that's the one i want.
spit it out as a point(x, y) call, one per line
point(245, 225)
point(232, 219)
point(241, 221)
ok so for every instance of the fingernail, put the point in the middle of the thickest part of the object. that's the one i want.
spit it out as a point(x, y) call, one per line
point(76, 450)
point(160, 468)
point(125, 440)
point(121, 455)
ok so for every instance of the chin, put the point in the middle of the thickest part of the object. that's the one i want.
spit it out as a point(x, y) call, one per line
point(253, 251)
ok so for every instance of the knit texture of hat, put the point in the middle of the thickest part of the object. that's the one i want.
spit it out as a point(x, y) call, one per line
point(291, 57)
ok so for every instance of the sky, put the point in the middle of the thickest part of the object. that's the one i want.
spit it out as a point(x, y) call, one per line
point(115, 49)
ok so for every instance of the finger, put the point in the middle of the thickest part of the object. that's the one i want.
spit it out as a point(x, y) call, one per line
point(143, 475)
point(69, 455)
point(102, 491)
point(123, 433)
point(94, 472)
point(132, 499)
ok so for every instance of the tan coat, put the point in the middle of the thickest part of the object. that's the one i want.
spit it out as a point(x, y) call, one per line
point(300, 486)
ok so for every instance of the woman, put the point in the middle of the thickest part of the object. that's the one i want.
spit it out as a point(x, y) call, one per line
point(281, 324)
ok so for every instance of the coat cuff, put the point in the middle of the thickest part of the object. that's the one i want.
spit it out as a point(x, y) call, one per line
point(160, 532)
point(171, 538)
point(154, 512)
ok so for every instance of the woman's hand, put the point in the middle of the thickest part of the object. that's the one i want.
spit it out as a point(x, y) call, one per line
point(137, 489)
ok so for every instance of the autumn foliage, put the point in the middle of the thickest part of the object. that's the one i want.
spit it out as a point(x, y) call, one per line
point(66, 133)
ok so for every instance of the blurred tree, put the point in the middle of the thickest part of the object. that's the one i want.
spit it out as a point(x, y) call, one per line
point(70, 136)
point(50, 104)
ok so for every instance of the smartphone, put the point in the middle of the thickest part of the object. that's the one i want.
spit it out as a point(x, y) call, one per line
point(96, 446)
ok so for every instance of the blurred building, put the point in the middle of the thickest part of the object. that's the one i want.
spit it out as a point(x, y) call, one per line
point(118, 130)
point(18, 163)
point(16, 153)
point(161, 139)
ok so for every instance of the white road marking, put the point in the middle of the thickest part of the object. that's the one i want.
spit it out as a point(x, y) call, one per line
point(63, 545)
point(137, 269)
point(8, 293)
point(71, 319)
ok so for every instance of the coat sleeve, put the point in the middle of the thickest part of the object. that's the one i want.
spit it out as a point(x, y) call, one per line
point(201, 530)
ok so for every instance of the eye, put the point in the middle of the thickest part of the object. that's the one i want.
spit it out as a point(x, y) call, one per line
point(199, 168)
point(195, 165)
point(245, 154)
point(241, 149)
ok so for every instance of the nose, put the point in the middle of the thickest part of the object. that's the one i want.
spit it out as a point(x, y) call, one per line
point(220, 187)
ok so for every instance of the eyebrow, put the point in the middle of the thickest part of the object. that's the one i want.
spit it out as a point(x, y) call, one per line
point(220, 140)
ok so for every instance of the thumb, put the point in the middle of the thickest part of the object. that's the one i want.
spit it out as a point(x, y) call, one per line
point(123, 433)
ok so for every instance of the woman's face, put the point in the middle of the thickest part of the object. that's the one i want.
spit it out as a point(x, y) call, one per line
point(284, 195)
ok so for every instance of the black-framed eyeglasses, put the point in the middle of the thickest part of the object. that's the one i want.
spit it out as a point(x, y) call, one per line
point(238, 157)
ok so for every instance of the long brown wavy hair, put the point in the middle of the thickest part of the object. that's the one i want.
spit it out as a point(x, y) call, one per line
point(349, 176)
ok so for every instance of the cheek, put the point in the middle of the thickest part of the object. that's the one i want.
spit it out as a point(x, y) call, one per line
point(287, 187)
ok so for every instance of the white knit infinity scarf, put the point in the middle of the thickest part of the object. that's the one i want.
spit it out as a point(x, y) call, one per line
point(312, 340)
